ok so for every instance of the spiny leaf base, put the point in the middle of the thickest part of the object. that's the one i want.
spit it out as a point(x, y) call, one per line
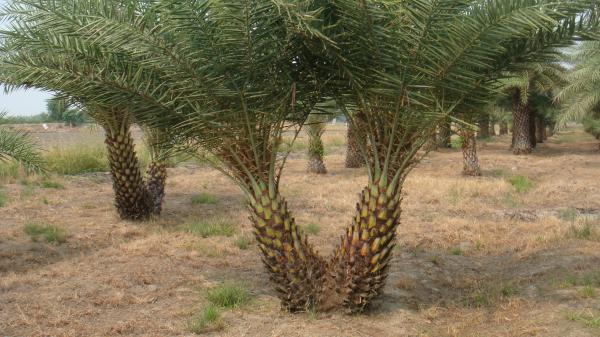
point(359, 266)
point(295, 268)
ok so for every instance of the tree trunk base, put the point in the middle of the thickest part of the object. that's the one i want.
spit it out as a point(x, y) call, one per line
point(469, 150)
point(156, 176)
point(520, 151)
point(316, 165)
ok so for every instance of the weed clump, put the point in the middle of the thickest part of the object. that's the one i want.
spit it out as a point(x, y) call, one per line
point(520, 183)
point(208, 320)
point(204, 199)
point(211, 227)
point(48, 233)
point(228, 295)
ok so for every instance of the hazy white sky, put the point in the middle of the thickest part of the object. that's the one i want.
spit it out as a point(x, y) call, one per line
point(23, 103)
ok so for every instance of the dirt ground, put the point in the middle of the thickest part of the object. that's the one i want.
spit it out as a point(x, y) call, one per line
point(475, 257)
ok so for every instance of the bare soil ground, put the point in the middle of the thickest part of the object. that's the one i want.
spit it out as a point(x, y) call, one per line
point(475, 257)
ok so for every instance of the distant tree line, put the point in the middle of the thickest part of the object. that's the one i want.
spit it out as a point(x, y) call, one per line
point(58, 110)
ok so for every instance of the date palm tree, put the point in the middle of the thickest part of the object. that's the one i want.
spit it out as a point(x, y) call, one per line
point(537, 81)
point(315, 124)
point(354, 142)
point(431, 58)
point(33, 59)
point(231, 76)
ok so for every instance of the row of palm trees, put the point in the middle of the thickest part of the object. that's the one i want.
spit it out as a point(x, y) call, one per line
point(229, 77)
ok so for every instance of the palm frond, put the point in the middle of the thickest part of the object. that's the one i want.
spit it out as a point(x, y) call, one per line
point(16, 145)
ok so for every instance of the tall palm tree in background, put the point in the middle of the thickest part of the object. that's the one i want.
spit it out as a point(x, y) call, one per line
point(34, 59)
point(315, 125)
point(485, 129)
point(315, 129)
point(527, 89)
point(354, 143)
point(520, 56)
point(501, 116)
point(444, 135)
point(230, 77)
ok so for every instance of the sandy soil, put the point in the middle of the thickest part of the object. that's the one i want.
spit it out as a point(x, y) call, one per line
point(475, 257)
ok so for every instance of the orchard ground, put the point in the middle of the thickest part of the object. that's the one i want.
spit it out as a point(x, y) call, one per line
point(515, 252)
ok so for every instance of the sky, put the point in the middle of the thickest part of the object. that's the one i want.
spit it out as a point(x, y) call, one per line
point(24, 103)
point(21, 102)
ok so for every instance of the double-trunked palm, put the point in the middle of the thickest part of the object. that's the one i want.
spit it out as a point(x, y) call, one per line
point(231, 77)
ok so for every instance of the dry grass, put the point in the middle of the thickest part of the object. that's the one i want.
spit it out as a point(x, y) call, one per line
point(475, 256)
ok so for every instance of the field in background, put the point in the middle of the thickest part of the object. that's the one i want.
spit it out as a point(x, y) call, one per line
point(515, 252)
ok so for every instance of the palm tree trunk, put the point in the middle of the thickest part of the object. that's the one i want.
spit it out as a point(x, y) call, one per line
point(432, 143)
point(484, 126)
point(359, 266)
point(550, 131)
point(354, 158)
point(295, 269)
point(521, 140)
point(444, 136)
point(503, 128)
point(540, 129)
point(532, 132)
point(469, 150)
point(316, 149)
point(156, 176)
point(132, 200)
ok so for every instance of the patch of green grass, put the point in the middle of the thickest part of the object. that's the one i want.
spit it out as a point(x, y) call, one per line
point(478, 299)
point(76, 160)
point(228, 295)
point(243, 242)
point(210, 227)
point(49, 233)
point(312, 228)
point(520, 183)
point(591, 320)
point(568, 214)
point(51, 184)
point(208, 320)
point(456, 251)
point(588, 280)
point(204, 199)
point(489, 295)
point(508, 290)
point(586, 292)
point(570, 280)
point(591, 279)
